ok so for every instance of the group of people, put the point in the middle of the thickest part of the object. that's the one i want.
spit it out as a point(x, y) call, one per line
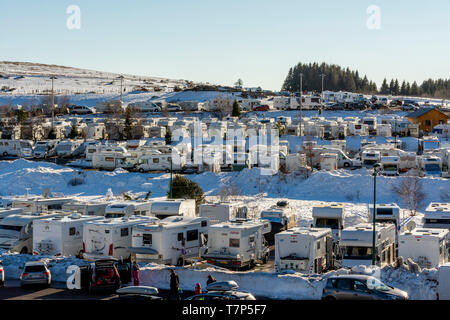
point(174, 282)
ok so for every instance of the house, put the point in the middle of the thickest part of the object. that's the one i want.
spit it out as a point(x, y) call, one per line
point(427, 118)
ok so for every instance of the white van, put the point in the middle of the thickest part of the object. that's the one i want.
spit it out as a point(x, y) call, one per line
point(306, 250)
point(110, 238)
point(60, 235)
point(169, 241)
point(173, 207)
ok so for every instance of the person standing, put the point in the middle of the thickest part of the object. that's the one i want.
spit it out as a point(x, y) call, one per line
point(198, 288)
point(174, 285)
point(135, 273)
point(210, 280)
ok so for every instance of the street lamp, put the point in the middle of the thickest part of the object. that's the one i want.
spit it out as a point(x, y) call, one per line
point(121, 79)
point(376, 171)
point(53, 102)
point(170, 187)
point(301, 91)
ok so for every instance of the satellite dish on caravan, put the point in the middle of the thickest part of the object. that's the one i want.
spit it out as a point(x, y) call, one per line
point(411, 225)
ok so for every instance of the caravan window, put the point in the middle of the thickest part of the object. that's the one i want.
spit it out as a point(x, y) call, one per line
point(54, 206)
point(111, 159)
point(204, 223)
point(72, 231)
point(327, 223)
point(252, 239)
point(234, 243)
point(124, 232)
point(180, 236)
point(344, 284)
point(358, 253)
point(155, 160)
point(192, 235)
point(147, 238)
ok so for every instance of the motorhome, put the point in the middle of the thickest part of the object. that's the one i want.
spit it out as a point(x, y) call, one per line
point(384, 130)
point(60, 235)
point(68, 148)
point(110, 238)
point(96, 131)
point(371, 123)
point(339, 144)
point(127, 209)
point(437, 215)
point(370, 157)
point(44, 149)
point(358, 129)
point(328, 161)
point(170, 241)
point(222, 212)
point(428, 143)
point(356, 244)
point(40, 204)
point(281, 217)
point(329, 215)
point(160, 162)
point(305, 250)
point(343, 161)
point(86, 208)
point(173, 207)
point(237, 244)
point(430, 165)
point(16, 231)
point(109, 160)
point(390, 165)
point(385, 213)
point(16, 148)
point(426, 247)
point(9, 211)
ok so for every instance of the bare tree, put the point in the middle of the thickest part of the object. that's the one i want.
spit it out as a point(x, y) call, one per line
point(308, 151)
point(223, 107)
point(410, 190)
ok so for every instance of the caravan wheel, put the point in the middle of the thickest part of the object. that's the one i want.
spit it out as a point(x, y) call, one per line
point(346, 165)
point(141, 170)
point(180, 262)
point(24, 250)
point(5, 154)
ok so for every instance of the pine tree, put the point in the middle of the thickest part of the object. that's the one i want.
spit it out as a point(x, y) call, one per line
point(168, 136)
point(183, 188)
point(396, 90)
point(127, 131)
point(403, 88)
point(236, 109)
point(384, 87)
point(415, 89)
point(73, 132)
point(51, 134)
point(408, 89)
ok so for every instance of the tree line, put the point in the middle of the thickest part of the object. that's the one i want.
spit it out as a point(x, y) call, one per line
point(337, 78)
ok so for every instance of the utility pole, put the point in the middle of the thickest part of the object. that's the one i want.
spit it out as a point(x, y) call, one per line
point(121, 79)
point(301, 102)
point(376, 170)
point(53, 102)
point(170, 187)
point(323, 76)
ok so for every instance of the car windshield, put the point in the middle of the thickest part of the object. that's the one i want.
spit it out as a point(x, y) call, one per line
point(375, 284)
point(39, 268)
point(432, 167)
point(389, 167)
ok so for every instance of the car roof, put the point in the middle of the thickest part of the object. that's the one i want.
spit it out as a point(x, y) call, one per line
point(35, 263)
point(351, 276)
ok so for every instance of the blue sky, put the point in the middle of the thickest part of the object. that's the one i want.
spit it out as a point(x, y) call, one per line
point(221, 41)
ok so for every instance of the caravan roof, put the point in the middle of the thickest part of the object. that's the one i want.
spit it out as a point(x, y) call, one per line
point(438, 210)
point(326, 210)
point(361, 234)
point(124, 221)
point(315, 233)
point(431, 233)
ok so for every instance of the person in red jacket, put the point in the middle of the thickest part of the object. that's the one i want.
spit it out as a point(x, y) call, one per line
point(198, 288)
point(135, 273)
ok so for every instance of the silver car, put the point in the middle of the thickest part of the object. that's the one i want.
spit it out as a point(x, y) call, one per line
point(35, 272)
point(360, 287)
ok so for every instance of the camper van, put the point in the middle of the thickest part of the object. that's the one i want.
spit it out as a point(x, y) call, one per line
point(40, 204)
point(222, 212)
point(328, 161)
point(329, 215)
point(173, 207)
point(385, 212)
point(356, 244)
point(109, 160)
point(16, 231)
point(426, 247)
point(127, 209)
point(430, 165)
point(16, 148)
point(281, 217)
point(86, 208)
point(305, 250)
point(437, 215)
point(60, 235)
point(428, 143)
point(160, 162)
point(170, 241)
point(68, 148)
point(9, 211)
point(237, 244)
point(369, 158)
point(390, 165)
point(370, 122)
point(44, 149)
point(110, 238)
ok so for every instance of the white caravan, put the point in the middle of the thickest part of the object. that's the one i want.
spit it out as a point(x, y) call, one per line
point(370, 122)
point(281, 217)
point(68, 148)
point(160, 162)
point(40, 204)
point(86, 208)
point(426, 247)
point(437, 215)
point(16, 148)
point(390, 165)
point(16, 231)
point(385, 212)
point(127, 209)
point(443, 285)
point(109, 160)
point(356, 244)
point(237, 244)
point(430, 165)
point(329, 215)
point(370, 157)
point(60, 235)
point(170, 241)
point(110, 238)
point(222, 212)
point(328, 161)
point(305, 250)
point(173, 207)
point(9, 211)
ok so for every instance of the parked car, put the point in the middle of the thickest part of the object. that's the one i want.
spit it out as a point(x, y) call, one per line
point(2, 275)
point(226, 290)
point(173, 108)
point(104, 275)
point(360, 287)
point(137, 293)
point(35, 272)
point(263, 107)
point(81, 109)
point(409, 107)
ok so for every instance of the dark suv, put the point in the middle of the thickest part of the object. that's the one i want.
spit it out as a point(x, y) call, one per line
point(360, 287)
point(104, 275)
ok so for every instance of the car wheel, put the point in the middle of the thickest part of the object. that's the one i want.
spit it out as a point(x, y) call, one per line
point(5, 154)
point(24, 250)
point(346, 165)
point(141, 170)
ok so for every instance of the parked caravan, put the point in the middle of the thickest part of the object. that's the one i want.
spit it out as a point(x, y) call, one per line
point(16, 231)
point(60, 235)
point(86, 208)
point(40, 204)
point(160, 162)
point(9, 211)
point(127, 209)
point(281, 217)
point(173, 207)
point(356, 244)
point(68, 148)
point(426, 247)
point(170, 241)
point(443, 283)
point(428, 143)
point(369, 158)
point(385, 213)
point(222, 212)
point(237, 244)
point(390, 165)
point(16, 148)
point(328, 161)
point(305, 250)
point(329, 215)
point(44, 149)
point(110, 238)
point(437, 215)
point(430, 165)
point(358, 129)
